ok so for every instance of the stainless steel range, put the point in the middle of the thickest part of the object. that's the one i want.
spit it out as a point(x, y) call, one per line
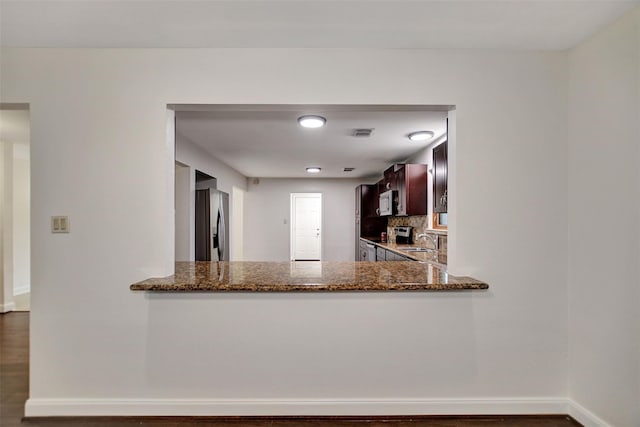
point(404, 234)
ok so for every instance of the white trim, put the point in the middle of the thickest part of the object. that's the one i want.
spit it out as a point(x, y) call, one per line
point(5, 308)
point(292, 407)
point(584, 416)
point(21, 290)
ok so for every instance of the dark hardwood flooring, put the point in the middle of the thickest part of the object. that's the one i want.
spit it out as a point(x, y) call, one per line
point(14, 390)
point(14, 367)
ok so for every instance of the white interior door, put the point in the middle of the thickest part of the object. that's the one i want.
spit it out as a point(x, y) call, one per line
point(306, 226)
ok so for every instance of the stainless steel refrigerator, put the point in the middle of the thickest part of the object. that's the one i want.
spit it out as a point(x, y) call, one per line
point(212, 225)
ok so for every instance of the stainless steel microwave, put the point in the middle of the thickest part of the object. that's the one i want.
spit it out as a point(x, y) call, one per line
point(385, 207)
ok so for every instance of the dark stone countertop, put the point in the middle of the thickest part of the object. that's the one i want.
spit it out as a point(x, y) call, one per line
point(439, 258)
point(307, 276)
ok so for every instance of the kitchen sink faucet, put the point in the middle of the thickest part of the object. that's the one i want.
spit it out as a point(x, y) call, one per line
point(433, 238)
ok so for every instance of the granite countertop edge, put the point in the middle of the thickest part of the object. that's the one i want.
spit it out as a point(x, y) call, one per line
point(312, 288)
point(420, 256)
point(256, 277)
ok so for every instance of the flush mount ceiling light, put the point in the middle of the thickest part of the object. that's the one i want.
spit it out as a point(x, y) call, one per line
point(312, 121)
point(313, 170)
point(422, 135)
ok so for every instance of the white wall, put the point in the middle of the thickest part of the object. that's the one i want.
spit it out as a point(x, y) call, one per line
point(191, 154)
point(6, 227)
point(15, 222)
point(227, 179)
point(21, 220)
point(604, 223)
point(100, 115)
point(268, 206)
point(16, 257)
point(184, 241)
point(236, 228)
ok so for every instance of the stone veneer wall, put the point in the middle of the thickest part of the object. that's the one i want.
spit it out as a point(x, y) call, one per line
point(420, 224)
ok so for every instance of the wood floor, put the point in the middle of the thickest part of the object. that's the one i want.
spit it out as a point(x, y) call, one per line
point(14, 389)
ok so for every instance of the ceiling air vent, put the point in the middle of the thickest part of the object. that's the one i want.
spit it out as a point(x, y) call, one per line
point(348, 169)
point(362, 133)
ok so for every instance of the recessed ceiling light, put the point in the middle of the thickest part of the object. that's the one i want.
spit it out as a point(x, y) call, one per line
point(313, 170)
point(312, 121)
point(422, 135)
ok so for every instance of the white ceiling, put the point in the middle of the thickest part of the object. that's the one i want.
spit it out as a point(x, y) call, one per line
point(502, 24)
point(270, 143)
point(283, 148)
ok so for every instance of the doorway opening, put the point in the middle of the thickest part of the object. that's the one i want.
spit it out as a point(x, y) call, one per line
point(15, 208)
point(211, 220)
point(222, 140)
point(306, 226)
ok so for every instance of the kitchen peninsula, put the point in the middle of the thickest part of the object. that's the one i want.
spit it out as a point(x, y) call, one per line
point(306, 276)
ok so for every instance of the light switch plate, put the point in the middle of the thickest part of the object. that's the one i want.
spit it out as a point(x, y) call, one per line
point(59, 224)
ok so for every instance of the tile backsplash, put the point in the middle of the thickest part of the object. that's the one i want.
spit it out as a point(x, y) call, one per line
point(420, 224)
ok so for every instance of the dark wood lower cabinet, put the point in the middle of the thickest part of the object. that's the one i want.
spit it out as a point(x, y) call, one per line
point(383, 254)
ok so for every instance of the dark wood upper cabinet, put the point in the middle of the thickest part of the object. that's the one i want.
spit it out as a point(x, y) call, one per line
point(358, 220)
point(380, 188)
point(369, 199)
point(411, 184)
point(440, 176)
point(409, 181)
point(401, 188)
point(389, 180)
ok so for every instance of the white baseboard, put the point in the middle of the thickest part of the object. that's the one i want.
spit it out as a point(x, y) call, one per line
point(584, 416)
point(291, 407)
point(21, 290)
point(5, 308)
